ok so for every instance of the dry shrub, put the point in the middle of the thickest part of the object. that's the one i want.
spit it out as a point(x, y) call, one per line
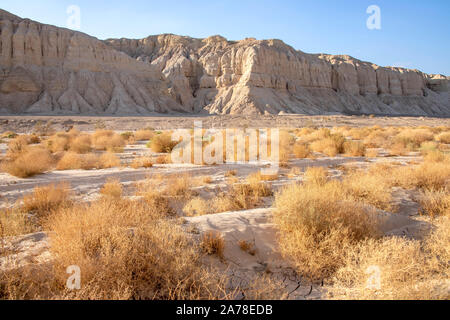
point(108, 140)
point(75, 161)
point(257, 186)
point(436, 156)
point(31, 161)
point(316, 226)
point(43, 200)
point(398, 149)
point(301, 150)
point(112, 189)
point(125, 252)
point(30, 282)
point(376, 139)
point(371, 153)
point(230, 173)
point(247, 247)
point(316, 175)
point(408, 269)
point(14, 222)
point(8, 135)
point(435, 203)
point(354, 148)
point(162, 143)
point(414, 137)
point(370, 189)
point(58, 142)
point(81, 144)
point(142, 162)
point(206, 180)
point(144, 134)
point(444, 137)
point(178, 185)
point(331, 145)
point(429, 175)
point(164, 159)
point(197, 207)
point(108, 160)
point(428, 146)
point(212, 243)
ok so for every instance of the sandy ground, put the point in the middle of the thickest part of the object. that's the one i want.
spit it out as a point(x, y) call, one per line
point(27, 124)
point(254, 226)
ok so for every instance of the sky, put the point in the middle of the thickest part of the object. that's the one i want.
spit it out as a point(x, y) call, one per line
point(414, 33)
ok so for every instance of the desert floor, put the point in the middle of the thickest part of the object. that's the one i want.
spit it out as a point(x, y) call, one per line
point(254, 225)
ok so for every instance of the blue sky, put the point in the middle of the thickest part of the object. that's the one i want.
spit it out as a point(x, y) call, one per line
point(414, 33)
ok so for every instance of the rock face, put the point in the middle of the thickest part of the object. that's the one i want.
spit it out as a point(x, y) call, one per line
point(45, 69)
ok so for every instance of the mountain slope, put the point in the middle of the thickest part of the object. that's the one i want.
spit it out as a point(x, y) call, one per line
point(50, 70)
point(45, 69)
point(251, 76)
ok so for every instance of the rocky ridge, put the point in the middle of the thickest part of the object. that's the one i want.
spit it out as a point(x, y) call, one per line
point(47, 70)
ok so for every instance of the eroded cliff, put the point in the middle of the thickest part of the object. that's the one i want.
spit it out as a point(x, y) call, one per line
point(47, 70)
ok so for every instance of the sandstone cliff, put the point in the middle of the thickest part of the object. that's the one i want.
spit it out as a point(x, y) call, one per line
point(45, 69)
point(48, 70)
point(269, 76)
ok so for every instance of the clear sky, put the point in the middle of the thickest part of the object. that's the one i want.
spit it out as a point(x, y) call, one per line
point(414, 33)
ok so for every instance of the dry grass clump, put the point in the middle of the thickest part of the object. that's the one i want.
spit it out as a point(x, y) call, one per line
point(396, 269)
point(43, 200)
point(413, 138)
point(435, 203)
point(58, 142)
point(230, 173)
point(112, 189)
point(141, 162)
point(126, 253)
point(247, 247)
point(197, 207)
point(212, 243)
point(108, 160)
point(164, 159)
point(257, 186)
point(108, 140)
point(368, 188)
point(354, 148)
point(316, 225)
point(162, 143)
point(428, 175)
point(316, 175)
point(444, 137)
point(174, 186)
point(29, 162)
point(436, 156)
point(14, 222)
point(75, 161)
point(144, 134)
point(81, 144)
point(301, 150)
point(371, 153)
point(376, 139)
point(331, 145)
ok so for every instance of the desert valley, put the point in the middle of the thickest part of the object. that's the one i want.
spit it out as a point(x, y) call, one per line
point(175, 168)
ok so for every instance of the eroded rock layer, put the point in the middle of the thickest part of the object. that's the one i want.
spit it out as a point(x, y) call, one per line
point(45, 69)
